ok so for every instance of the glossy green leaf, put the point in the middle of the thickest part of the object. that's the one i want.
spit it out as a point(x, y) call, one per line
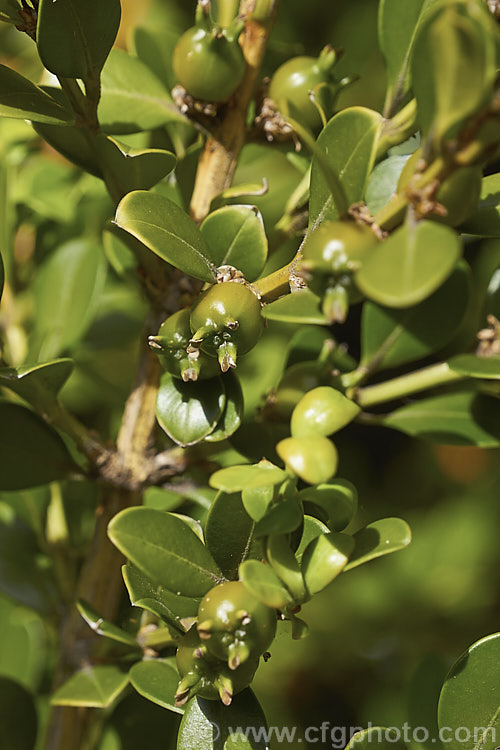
point(21, 99)
point(410, 265)
point(165, 549)
point(397, 27)
point(324, 558)
point(167, 230)
point(236, 237)
point(256, 501)
point(157, 681)
point(391, 337)
point(282, 560)
point(485, 221)
point(229, 533)
point(67, 291)
point(282, 518)
point(469, 704)
point(95, 687)
point(133, 99)
point(154, 45)
point(313, 528)
point(167, 605)
point(300, 307)
point(383, 182)
point(377, 738)
point(487, 368)
point(338, 500)
point(18, 716)
point(349, 143)
point(233, 409)
point(128, 169)
point(74, 38)
point(262, 581)
point(37, 383)
point(377, 539)
point(458, 418)
point(453, 66)
point(251, 476)
point(103, 627)
point(209, 725)
point(188, 412)
point(31, 452)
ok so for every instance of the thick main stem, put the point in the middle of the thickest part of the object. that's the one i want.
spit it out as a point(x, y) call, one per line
point(219, 158)
point(100, 581)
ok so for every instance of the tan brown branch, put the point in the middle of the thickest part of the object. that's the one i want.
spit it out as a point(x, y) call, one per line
point(219, 158)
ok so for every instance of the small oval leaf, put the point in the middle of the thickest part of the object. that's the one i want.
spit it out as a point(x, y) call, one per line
point(251, 476)
point(166, 550)
point(166, 230)
point(236, 237)
point(349, 143)
point(157, 681)
point(469, 698)
point(410, 265)
point(262, 581)
point(300, 307)
point(188, 412)
point(95, 687)
point(209, 725)
point(377, 539)
point(338, 499)
point(229, 533)
point(324, 558)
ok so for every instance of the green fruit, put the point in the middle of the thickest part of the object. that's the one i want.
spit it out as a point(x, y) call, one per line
point(209, 63)
point(331, 255)
point(322, 411)
point(313, 459)
point(207, 676)
point(295, 79)
point(226, 322)
point(234, 625)
point(171, 344)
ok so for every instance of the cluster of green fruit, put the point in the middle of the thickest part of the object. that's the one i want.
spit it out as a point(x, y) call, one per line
point(209, 63)
point(219, 655)
point(196, 343)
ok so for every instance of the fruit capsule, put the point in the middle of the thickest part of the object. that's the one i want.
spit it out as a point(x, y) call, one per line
point(207, 676)
point(331, 254)
point(234, 625)
point(171, 344)
point(226, 322)
point(296, 79)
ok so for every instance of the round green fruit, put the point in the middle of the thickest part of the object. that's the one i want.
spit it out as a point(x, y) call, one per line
point(322, 411)
point(313, 459)
point(208, 64)
point(295, 79)
point(226, 322)
point(171, 344)
point(331, 255)
point(207, 676)
point(234, 625)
